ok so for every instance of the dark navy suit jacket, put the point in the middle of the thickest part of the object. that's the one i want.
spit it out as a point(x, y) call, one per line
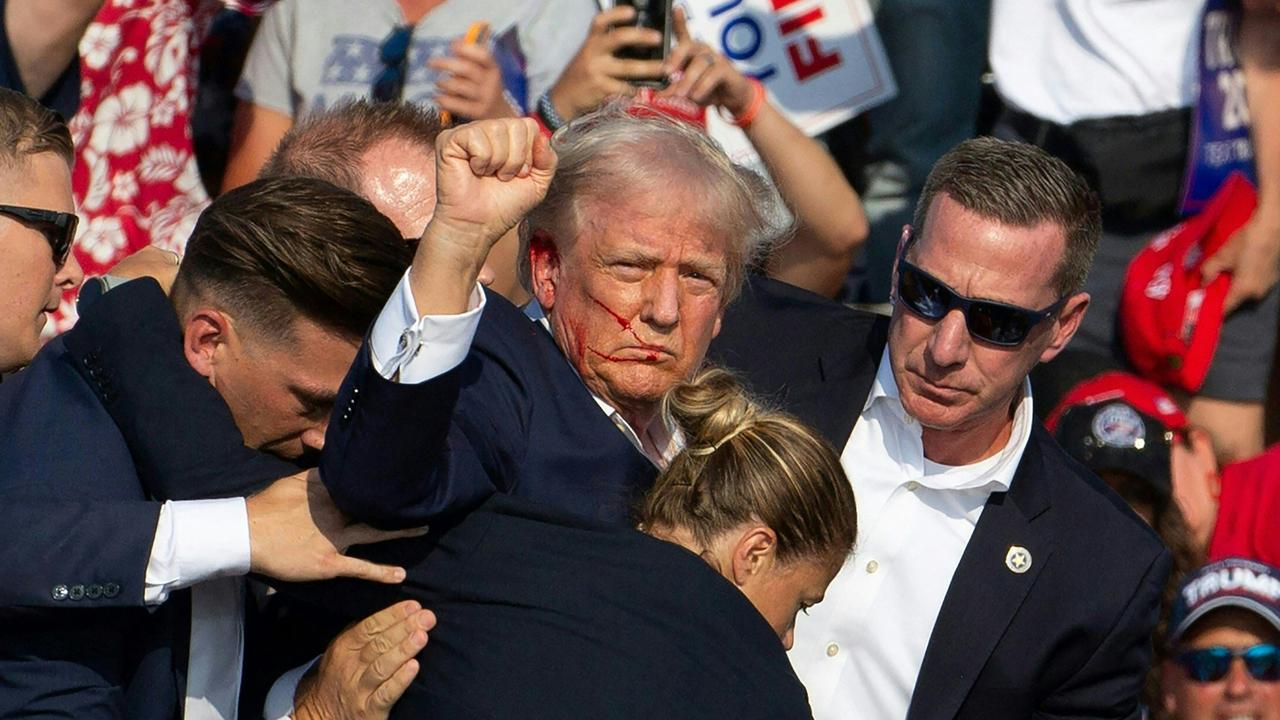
point(108, 419)
point(514, 418)
point(1070, 638)
point(545, 614)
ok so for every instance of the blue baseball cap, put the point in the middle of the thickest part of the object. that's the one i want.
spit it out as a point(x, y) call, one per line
point(1233, 582)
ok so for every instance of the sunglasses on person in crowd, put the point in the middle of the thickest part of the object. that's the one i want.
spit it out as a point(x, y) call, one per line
point(1213, 663)
point(388, 86)
point(990, 321)
point(58, 228)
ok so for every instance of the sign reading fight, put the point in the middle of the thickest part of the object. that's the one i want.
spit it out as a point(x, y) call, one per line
point(820, 60)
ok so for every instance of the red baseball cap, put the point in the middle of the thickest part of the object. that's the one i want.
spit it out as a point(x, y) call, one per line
point(1170, 320)
point(1118, 421)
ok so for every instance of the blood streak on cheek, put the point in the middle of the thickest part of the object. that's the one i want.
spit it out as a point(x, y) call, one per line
point(625, 324)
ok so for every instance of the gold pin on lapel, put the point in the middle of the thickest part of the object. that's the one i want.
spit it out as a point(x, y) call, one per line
point(1018, 559)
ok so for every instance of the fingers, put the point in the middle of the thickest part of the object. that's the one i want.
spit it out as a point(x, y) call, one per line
point(627, 69)
point(500, 148)
point(543, 157)
point(707, 84)
point(389, 692)
point(477, 55)
point(693, 68)
point(397, 624)
point(386, 618)
point(621, 37)
point(603, 22)
point(347, 566)
point(680, 26)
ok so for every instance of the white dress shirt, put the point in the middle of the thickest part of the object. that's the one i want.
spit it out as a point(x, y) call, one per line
point(859, 651)
point(205, 544)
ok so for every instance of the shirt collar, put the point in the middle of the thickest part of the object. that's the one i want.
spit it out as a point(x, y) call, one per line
point(663, 433)
point(996, 471)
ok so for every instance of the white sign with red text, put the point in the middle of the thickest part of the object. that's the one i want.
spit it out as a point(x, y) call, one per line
point(821, 61)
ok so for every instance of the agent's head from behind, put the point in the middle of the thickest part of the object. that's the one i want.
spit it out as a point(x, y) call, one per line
point(281, 280)
point(37, 224)
point(757, 494)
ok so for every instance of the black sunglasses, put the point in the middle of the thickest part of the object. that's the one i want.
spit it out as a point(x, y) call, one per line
point(994, 322)
point(388, 86)
point(1213, 663)
point(58, 228)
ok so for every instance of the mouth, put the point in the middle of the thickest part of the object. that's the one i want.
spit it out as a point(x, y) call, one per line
point(937, 391)
point(643, 354)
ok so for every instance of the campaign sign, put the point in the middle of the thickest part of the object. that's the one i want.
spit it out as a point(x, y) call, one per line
point(821, 61)
point(1220, 142)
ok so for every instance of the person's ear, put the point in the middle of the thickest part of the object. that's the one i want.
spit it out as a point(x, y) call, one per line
point(897, 256)
point(1069, 318)
point(544, 264)
point(753, 554)
point(205, 338)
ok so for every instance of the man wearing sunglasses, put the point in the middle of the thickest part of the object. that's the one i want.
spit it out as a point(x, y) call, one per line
point(1224, 638)
point(37, 224)
point(977, 533)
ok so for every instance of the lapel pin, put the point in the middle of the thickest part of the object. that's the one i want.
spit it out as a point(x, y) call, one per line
point(1018, 559)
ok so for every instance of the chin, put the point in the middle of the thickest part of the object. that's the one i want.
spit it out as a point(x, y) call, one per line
point(933, 414)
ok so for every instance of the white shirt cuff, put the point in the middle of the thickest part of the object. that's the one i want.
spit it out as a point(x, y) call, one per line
point(196, 540)
point(407, 348)
point(279, 704)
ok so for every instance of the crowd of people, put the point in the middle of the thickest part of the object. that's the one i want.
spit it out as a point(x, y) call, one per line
point(439, 364)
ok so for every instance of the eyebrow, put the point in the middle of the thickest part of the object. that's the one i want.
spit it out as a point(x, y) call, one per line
point(314, 396)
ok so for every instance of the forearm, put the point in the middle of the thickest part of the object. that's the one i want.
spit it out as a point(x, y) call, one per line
point(1260, 60)
point(44, 35)
point(830, 223)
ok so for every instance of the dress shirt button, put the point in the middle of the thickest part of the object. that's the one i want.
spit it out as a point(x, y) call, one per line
point(60, 592)
point(872, 566)
point(833, 650)
point(93, 591)
point(110, 590)
point(913, 486)
point(76, 592)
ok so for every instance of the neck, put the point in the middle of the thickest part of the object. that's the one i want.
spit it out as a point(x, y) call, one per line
point(969, 445)
point(415, 10)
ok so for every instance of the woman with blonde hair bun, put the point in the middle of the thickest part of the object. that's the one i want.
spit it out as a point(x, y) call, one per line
point(756, 494)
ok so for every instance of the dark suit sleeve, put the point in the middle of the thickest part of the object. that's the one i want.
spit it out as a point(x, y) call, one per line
point(184, 442)
point(404, 455)
point(49, 546)
point(1107, 687)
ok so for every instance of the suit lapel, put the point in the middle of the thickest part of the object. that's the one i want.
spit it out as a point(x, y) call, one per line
point(985, 591)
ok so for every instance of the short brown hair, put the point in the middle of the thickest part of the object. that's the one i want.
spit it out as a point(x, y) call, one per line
point(1020, 185)
point(29, 128)
point(745, 463)
point(278, 248)
point(329, 145)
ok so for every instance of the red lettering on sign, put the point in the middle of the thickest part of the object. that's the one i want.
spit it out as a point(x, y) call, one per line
point(792, 24)
point(815, 62)
point(779, 4)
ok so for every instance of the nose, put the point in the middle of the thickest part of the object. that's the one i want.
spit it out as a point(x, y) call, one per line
point(662, 300)
point(1239, 681)
point(70, 275)
point(313, 437)
point(949, 343)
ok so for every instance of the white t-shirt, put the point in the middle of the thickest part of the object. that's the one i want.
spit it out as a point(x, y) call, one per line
point(309, 55)
point(1068, 60)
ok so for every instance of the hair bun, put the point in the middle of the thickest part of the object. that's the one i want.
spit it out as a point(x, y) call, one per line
point(710, 408)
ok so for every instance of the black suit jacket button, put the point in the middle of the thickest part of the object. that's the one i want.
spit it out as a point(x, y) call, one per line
point(93, 591)
point(110, 590)
point(76, 592)
point(60, 592)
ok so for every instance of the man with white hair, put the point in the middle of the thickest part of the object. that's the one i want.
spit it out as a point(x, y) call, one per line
point(457, 395)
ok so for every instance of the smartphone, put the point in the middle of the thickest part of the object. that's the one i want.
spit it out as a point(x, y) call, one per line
point(654, 14)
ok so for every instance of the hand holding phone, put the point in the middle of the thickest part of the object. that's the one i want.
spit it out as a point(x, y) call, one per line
point(470, 87)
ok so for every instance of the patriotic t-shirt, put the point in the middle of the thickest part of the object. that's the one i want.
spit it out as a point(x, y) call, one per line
point(309, 55)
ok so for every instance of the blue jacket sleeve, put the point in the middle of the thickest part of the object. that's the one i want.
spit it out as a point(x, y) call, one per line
point(404, 455)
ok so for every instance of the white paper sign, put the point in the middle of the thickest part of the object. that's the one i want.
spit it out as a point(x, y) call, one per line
point(820, 60)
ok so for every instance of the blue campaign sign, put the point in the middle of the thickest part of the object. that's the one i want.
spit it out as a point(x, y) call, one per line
point(1220, 143)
